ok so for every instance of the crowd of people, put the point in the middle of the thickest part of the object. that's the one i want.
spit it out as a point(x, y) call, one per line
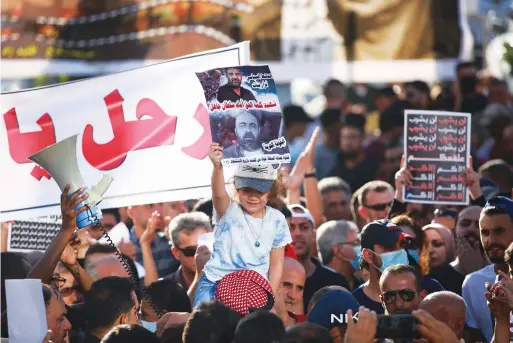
point(295, 247)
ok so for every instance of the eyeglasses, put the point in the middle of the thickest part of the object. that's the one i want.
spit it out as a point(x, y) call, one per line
point(355, 243)
point(379, 207)
point(188, 251)
point(390, 297)
point(444, 212)
point(57, 281)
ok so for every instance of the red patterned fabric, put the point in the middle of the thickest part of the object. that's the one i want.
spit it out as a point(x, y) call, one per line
point(290, 252)
point(244, 290)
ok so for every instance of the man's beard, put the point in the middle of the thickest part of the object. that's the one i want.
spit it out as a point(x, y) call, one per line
point(497, 259)
point(249, 142)
point(234, 83)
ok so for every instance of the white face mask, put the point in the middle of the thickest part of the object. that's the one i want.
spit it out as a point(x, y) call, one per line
point(150, 326)
point(394, 257)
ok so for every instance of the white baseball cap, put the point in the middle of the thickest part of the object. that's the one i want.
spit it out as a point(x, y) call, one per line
point(304, 213)
point(259, 177)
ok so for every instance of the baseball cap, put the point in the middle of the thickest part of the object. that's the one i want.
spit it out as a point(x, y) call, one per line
point(304, 213)
point(259, 177)
point(245, 291)
point(335, 302)
point(382, 232)
point(502, 203)
point(489, 188)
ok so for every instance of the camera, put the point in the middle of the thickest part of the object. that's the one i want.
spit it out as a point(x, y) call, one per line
point(397, 326)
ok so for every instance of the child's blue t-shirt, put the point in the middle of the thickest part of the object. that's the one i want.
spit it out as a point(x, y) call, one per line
point(234, 244)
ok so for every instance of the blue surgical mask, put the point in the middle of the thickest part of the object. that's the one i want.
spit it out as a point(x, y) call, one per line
point(150, 326)
point(414, 254)
point(394, 257)
point(355, 263)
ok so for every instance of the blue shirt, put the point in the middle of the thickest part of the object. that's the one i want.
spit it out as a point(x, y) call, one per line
point(161, 250)
point(234, 242)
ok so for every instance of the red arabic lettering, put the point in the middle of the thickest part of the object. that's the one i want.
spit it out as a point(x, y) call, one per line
point(448, 139)
point(22, 145)
point(128, 136)
point(199, 150)
point(447, 121)
point(418, 129)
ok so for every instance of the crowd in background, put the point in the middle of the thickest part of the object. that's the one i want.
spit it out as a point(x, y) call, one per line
point(356, 245)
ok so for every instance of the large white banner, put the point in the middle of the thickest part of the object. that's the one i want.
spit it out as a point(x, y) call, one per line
point(148, 128)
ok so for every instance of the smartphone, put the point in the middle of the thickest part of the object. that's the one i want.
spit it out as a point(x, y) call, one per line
point(397, 326)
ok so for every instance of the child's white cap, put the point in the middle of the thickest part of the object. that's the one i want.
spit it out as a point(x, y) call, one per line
point(259, 177)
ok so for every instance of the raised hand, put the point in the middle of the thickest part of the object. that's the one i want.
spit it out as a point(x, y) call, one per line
point(201, 258)
point(48, 337)
point(70, 254)
point(470, 179)
point(364, 330)
point(403, 177)
point(216, 154)
point(434, 330)
point(68, 211)
point(305, 162)
point(149, 234)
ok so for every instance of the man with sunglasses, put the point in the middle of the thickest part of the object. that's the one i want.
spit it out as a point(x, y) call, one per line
point(401, 289)
point(184, 231)
point(376, 198)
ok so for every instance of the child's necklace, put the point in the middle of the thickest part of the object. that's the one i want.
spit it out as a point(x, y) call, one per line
point(257, 238)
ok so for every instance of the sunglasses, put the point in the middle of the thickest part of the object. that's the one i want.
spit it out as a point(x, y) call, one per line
point(445, 213)
point(379, 207)
point(390, 297)
point(188, 251)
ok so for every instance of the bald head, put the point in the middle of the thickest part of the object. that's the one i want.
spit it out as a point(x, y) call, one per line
point(106, 266)
point(448, 308)
point(293, 284)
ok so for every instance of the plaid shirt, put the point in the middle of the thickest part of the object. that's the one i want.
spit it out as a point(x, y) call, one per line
point(164, 259)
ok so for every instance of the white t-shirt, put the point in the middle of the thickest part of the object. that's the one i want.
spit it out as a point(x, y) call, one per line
point(234, 244)
point(478, 313)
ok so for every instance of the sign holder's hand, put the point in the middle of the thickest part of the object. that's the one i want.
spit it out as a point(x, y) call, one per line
point(471, 180)
point(216, 154)
point(403, 177)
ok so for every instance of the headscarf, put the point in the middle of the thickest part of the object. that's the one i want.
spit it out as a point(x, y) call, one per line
point(447, 237)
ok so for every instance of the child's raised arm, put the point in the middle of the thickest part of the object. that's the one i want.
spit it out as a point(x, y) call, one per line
point(220, 198)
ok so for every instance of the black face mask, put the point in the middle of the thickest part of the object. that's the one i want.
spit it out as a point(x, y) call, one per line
point(468, 84)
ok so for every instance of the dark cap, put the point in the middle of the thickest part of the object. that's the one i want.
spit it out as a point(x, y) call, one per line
point(335, 302)
point(381, 232)
point(354, 120)
point(245, 291)
point(502, 203)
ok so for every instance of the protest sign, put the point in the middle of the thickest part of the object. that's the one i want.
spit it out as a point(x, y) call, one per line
point(33, 234)
point(148, 128)
point(245, 115)
point(437, 150)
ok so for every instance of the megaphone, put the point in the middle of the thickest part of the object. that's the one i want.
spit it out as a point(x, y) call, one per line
point(60, 160)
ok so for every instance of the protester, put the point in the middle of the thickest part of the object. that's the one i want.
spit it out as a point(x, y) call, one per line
point(339, 249)
point(260, 327)
point(55, 314)
point(111, 301)
point(211, 322)
point(401, 289)
point(336, 196)
point(447, 307)
point(496, 227)
point(375, 198)
point(237, 249)
point(302, 230)
point(130, 334)
point(292, 287)
point(308, 333)
point(320, 293)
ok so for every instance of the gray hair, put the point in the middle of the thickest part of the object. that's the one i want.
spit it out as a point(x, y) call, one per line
point(333, 183)
point(332, 233)
point(188, 223)
point(90, 265)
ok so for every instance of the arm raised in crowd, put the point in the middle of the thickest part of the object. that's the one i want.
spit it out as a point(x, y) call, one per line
point(471, 180)
point(69, 260)
point(312, 194)
point(402, 178)
point(220, 198)
point(148, 236)
point(43, 270)
point(201, 258)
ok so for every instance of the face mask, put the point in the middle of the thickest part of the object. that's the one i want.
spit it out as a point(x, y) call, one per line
point(468, 84)
point(391, 258)
point(150, 326)
point(414, 254)
point(355, 263)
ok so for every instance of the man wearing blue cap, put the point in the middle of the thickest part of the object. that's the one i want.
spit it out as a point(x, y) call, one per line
point(496, 230)
point(383, 245)
point(330, 312)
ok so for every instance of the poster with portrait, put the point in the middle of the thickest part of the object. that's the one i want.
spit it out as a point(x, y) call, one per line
point(437, 150)
point(245, 114)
